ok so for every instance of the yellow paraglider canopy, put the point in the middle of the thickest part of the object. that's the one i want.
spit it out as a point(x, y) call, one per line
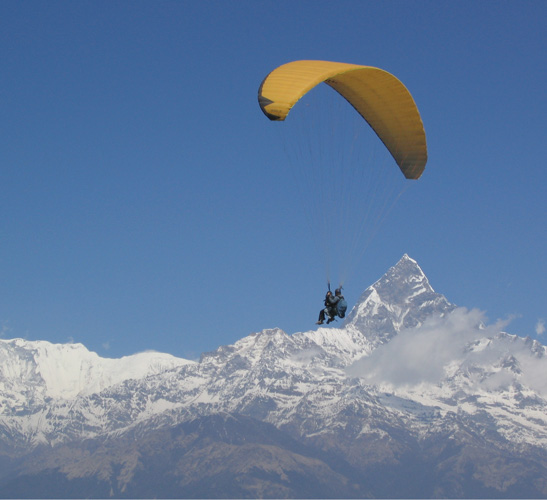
point(378, 96)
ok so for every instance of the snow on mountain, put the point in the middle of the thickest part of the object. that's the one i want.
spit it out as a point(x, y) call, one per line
point(404, 359)
point(402, 298)
point(32, 373)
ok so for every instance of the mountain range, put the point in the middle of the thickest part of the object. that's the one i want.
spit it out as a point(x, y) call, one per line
point(411, 396)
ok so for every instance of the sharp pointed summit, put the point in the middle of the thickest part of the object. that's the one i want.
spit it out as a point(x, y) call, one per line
point(401, 298)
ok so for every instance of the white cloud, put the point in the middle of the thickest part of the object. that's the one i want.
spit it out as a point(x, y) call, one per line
point(423, 354)
point(540, 327)
point(4, 330)
point(459, 342)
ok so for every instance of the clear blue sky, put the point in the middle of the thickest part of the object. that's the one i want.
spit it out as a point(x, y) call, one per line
point(141, 197)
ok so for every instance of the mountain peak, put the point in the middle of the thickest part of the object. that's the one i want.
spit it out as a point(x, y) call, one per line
point(407, 276)
point(63, 371)
point(401, 298)
point(407, 257)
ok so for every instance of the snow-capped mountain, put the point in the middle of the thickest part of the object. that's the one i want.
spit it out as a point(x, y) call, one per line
point(42, 371)
point(409, 384)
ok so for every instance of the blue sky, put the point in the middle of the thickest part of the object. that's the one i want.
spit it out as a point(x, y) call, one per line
point(144, 200)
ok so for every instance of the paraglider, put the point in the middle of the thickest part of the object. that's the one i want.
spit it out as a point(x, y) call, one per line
point(334, 306)
point(378, 96)
point(385, 104)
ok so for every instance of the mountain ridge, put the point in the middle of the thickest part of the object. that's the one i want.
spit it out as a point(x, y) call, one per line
point(408, 382)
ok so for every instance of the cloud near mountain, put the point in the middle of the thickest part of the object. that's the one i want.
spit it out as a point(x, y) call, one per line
point(457, 341)
point(424, 354)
